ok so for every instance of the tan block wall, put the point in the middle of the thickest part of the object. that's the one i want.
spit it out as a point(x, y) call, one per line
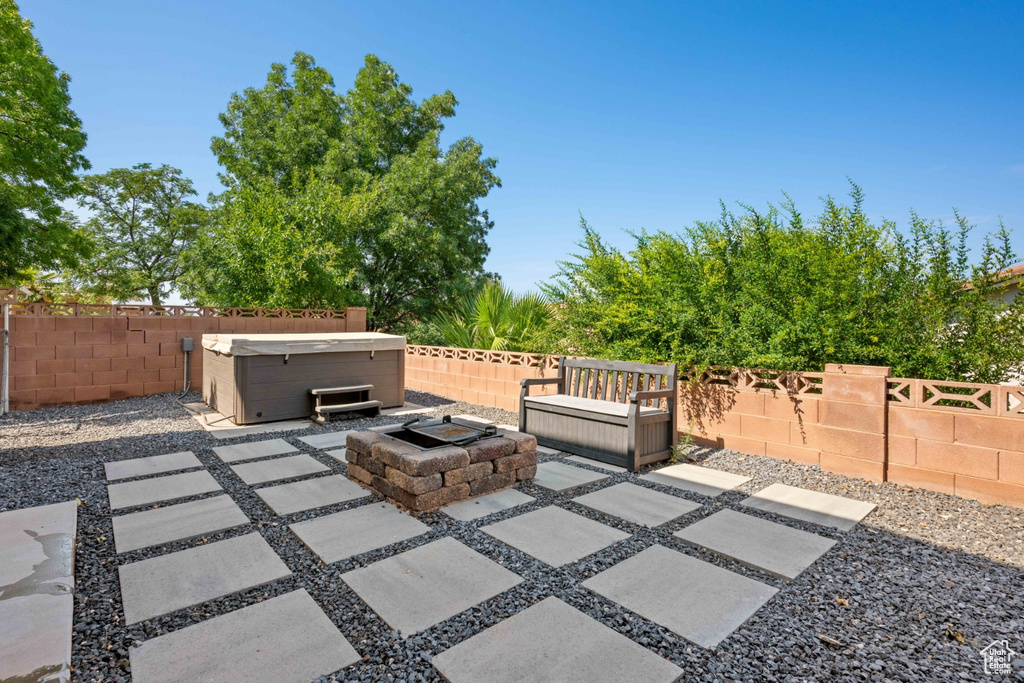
point(484, 383)
point(63, 360)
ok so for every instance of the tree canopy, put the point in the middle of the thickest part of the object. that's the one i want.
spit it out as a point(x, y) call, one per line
point(768, 289)
point(141, 223)
point(41, 143)
point(336, 200)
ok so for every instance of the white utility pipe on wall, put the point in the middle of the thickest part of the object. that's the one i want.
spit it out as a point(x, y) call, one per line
point(6, 375)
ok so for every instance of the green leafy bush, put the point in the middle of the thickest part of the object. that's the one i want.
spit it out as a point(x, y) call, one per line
point(771, 290)
point(494, 319)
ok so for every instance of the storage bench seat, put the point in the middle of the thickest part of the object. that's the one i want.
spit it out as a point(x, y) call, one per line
point(606, 410)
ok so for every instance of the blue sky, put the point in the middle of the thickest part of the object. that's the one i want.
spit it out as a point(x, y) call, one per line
point(636, 115)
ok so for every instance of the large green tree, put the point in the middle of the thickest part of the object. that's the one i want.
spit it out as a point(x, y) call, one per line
point(41, 143)
point(343, 199)
point(769, 289)
point(141, 222)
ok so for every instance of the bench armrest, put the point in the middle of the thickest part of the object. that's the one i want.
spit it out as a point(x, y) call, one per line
point(526, 383)
point(646, 395)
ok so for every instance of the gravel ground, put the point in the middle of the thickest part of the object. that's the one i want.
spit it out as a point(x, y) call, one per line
point(927, 580)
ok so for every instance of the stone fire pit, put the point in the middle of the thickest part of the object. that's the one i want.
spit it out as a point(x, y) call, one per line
point(425, 477)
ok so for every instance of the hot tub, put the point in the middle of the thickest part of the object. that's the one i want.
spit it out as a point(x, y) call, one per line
point(265, 377)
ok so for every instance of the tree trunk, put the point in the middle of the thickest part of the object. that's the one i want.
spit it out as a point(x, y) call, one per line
point(154, 295)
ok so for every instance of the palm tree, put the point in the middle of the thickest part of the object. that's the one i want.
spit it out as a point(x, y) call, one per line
point(496, 319)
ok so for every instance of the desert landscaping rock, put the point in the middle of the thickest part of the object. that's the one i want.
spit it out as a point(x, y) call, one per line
point(328, 440)
point(287, 639)
point(279, 469)
point(360, 530)
point(308, 494)
point(558, 477)
point(160, 489)
point(176, 522)
point(554, 535)
point(155, 464)
point(699, 601)
point(426, 585)
point(810, 506)
point(637, 504)
point(776, 549)
point(468, 510)
point(552, 641)
point(37, 551)
point(253, 450)
point(702, 480)
point(167, 583)
point(596, 463)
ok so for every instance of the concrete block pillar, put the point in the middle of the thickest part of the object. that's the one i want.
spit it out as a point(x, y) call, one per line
point(854, 419)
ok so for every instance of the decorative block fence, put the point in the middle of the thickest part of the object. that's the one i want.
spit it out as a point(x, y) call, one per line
point(961, 438)
point(63, 354)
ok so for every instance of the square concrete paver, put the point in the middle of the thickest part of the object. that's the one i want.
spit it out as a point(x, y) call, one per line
point(597, 463)
point(476, 508)
point(157, 464)
point(360, 530)
point(810, 506)
point(544, 450)
point(637, 504)
point(702, 480)
point(426, 585)
point(287, 639)
point(558, 477)
point(328, 440)
point(697, 600)
point(256, 449)
point(37, 552)
point(160, 489)
point(176, 522)
point(779, 550)
point(338, 454)
point(554, 535)
point(279, 468)
point(165, 584)
point(311, 493)
point(473, 419)
point(552, 641)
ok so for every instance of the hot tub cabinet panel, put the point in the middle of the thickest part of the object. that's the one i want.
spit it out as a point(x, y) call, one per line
point(252, 380)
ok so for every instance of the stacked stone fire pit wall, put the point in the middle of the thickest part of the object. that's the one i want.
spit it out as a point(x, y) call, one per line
point(425, 480)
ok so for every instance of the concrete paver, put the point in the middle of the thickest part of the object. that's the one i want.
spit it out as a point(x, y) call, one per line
point(307, 494)
point(328, 440)
point(156, 464)
point(278, 469)
point(702, 480)
point(160, 489)
point(554, 535)
point(176, 522)
point(810, 506)
point(637, 504)
point(558, 477)
point(475, 508)
point(256, 449)
point(356, 531)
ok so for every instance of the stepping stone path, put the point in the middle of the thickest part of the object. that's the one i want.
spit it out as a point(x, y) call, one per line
point(37, 553)
point(696, 600)
point(256, 449)
point(475, 508)
point(810, 506)
point(328, 440)
point(558, 477)
point(311, 493)
point(165, 584)
point(360, 530)
point(554, 535)
point(637, 504)
point(544, 450)
point(287, 639)
point(160, 489)
point(176, 522)
point(474, 419)
point(157, 464)
point(279, 468)
point(776, 549)
point(426, 585)
point(597, 463)
point(702, 480)
point(552, 641)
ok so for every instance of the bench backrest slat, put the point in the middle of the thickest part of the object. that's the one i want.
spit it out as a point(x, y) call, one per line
point(609, 380)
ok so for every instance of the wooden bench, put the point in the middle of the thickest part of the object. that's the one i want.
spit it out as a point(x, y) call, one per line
point(605, 410)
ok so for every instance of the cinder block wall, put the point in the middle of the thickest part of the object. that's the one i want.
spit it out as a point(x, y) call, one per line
point(72, 359)
point(852, 420)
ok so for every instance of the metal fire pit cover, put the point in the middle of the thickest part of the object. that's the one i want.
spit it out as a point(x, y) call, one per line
point(448, 431)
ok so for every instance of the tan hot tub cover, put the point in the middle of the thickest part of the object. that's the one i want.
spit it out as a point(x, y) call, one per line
point(295, 344)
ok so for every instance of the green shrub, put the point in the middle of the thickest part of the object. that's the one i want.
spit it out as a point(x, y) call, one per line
point(495, 319)
point(769, 290)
